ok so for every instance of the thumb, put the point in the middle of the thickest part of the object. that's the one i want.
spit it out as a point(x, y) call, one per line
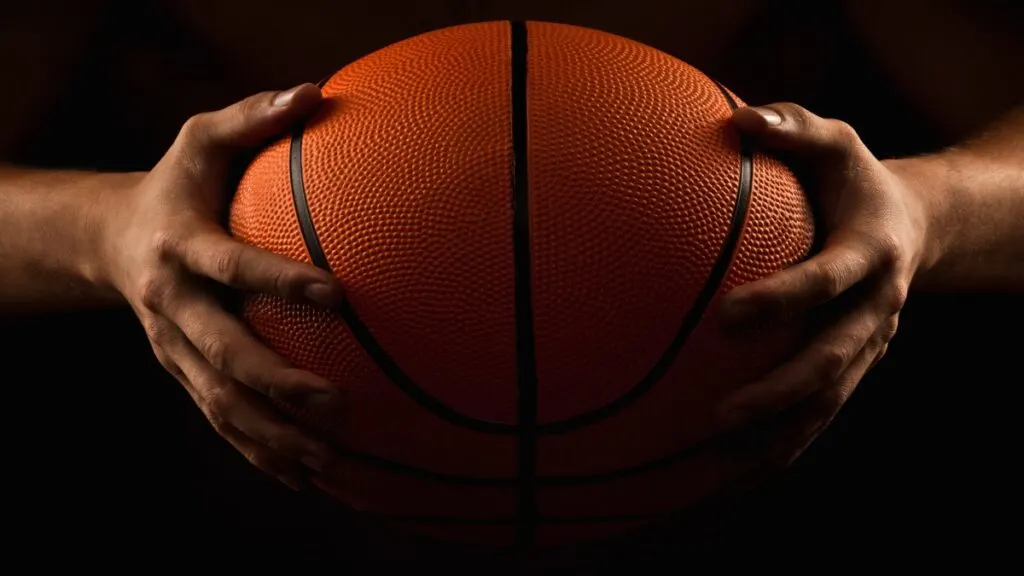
point(248, 123)
point(792, 129)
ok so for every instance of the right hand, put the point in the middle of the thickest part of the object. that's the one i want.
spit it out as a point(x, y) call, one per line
point(163, 247)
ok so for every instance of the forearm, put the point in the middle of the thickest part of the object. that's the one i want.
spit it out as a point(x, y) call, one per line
point(50, 226)
point(975, 197)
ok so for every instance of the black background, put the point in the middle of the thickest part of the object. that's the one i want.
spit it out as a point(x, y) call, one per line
point(107, 459)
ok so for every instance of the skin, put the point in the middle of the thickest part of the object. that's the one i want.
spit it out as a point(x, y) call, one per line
point(948, 221)
point(152, 240)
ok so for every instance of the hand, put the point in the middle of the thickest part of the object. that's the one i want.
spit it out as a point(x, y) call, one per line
point(875, 237)
point(166, 252)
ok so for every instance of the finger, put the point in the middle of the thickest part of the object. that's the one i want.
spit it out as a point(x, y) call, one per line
point(248, 123)
point(216, 255)
point(266, 460)
point(162, 335)
point(229, 405)
point(167, 348)
point(878, 357)
point(229, 347)
point(787, 127)
point(817, 366)
point(747, 456)
point(886, 332)
point(259, 421)
point(810, 283)
point(822, 408)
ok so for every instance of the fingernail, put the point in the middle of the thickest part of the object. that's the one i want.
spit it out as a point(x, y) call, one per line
point(313, 463)
point(734, 318)
point(322, 294)
point(318, 397)
point(285, 98)
point(771, 117)
point(732, 312)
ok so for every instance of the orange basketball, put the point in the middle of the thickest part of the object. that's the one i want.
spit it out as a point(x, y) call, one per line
point(531, 222)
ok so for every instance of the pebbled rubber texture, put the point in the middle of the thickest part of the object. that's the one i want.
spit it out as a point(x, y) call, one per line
point(613, 193)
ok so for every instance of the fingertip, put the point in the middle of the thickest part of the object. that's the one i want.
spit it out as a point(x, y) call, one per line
point(756, 118)
point(733, 308)
point(746, 406)
point(301, 388)
point(307, 95)
point(293, 482)
point(324, 293)
point(301, 96)
point(744, 308)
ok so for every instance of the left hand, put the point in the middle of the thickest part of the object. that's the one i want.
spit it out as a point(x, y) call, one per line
point(876, 229)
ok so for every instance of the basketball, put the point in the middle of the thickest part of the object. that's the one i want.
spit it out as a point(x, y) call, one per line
point(533, 223)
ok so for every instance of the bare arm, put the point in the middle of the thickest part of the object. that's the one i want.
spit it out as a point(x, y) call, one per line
point(955, 60)
point(155, 241)
point(47, 219)
point(976, 191)
point(49, 241)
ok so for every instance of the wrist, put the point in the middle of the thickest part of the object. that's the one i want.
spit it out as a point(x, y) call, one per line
point(101, 212)
point(927, 183)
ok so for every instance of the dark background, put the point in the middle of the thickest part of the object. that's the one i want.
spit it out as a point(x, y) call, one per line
point(109, 460)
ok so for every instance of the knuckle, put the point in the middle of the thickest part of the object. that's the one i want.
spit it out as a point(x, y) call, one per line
point(227, 266)
point(842, 132)
point(194, 128)
point(829, 278)
point(191, 138)
point(215, 349)
point(218, 405)
point(888, 248)
point(831, 363)
point(250, 107)
point(895, 298)
point(889, 328)
point(166, 245)
point(882, 351)
point(840, 141)
point(217, 419)
point(158, 334)
point(285, 282)
point(152, 293)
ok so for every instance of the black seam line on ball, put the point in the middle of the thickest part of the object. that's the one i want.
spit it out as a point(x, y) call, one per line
point(409, 470)
point(739, 215)
point(399, 378)
point(390, 369)
point(526, 366)
point(309, 237)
